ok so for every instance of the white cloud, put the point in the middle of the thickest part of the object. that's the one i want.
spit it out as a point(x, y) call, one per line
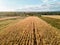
point(45, 6)
point(45, 1)
point(41, 7)
point(34, 8)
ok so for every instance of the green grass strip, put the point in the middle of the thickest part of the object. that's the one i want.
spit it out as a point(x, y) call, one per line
point(54, 22)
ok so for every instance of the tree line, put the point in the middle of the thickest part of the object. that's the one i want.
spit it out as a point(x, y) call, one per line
point(2, 14)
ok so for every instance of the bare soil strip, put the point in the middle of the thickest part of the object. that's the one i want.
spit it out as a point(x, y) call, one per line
point(30, 31)
point(8, 18)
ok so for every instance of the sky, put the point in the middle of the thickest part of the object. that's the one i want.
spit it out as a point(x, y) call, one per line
point(30, 5)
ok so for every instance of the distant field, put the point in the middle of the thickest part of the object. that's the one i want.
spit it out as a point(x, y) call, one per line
point(52, 16)
point(53, 20)
point(5, 22)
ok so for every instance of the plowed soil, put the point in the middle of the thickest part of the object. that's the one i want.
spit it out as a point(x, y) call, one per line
point(30, 31)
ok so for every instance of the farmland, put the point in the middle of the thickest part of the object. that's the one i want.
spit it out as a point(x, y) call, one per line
point(30, 31)
point(52, 16)
point(4, 22)
point(53, 20)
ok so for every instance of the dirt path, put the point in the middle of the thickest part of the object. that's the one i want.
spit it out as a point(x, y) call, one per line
point(30, 31)
point(8, 18)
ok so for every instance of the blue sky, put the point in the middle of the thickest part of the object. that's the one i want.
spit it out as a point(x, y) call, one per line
point(29, 5)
